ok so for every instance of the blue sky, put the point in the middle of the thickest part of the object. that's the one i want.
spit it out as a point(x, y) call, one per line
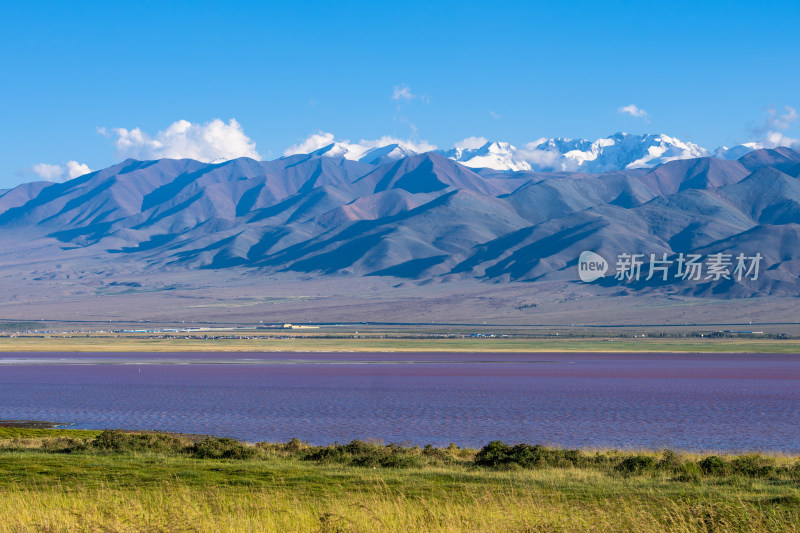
point(515, 71)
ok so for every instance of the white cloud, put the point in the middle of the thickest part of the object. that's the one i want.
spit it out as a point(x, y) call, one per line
point(59, 173)
point(778, 121)
point(770, 134)
point(402, 92)
point(471, 143)
point(313, 142)
point(48, 172)
point(633, 111)
point(774, 139)
point(205, 142)
point(75, 169)
point(495, 116)
point(541, 159)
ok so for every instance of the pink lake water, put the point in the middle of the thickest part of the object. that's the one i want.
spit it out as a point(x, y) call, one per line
point(722, 402)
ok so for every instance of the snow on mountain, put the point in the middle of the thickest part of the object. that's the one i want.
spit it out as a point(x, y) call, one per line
point(365, 153)
point(345, 150)
point(494, 155)
point(387, 154)
point(616, 152)
point(735, 152)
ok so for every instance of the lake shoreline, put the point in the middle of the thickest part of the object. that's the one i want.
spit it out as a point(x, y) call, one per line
point(292, 343)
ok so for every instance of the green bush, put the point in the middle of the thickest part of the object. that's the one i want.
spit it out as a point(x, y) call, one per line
point(794, 471)
point(713, 465)
point(527, 456)
point(295, 445)
point(326, 454)
point(360, 453)
point(599, 460)
point(753, 465)
point(120, 442)
point(670, 461)
point(395, 460)
point(438, 455)
point(495, 454)
point(636, 464)
point(498, 454)
point(221, 448)
point(572, 457)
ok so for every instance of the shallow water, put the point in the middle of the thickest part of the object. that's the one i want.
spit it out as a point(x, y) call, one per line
point(685, 401)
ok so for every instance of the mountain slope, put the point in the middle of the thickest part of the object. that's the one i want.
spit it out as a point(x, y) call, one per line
point(420, 217)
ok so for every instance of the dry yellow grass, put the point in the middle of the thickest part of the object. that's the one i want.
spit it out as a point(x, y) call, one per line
point(83, 491)
point(377, 507)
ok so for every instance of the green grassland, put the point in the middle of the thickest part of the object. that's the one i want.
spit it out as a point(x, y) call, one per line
point(56, 480)
point(9, 433)
point(389, 343)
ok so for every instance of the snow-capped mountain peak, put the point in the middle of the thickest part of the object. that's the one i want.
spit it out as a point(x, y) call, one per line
point(372, 152)
point(354, 152)
point(495, 155)
point(615, 152)
point(735, 152)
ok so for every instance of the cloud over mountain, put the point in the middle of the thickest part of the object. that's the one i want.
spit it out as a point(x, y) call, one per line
point(59, 173)
point(776, 124)
point(471, 143)
point(770, 134)
point(209, 141)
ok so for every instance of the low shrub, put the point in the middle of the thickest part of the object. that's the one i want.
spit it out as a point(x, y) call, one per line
point(326, 454)
point(670, 461)
point(753, 465)
point(120, 441)
point(794, 471)
point(495, 454)
point(221, 448)
point(295, 445)
point(360, 453)
point(498, 454)
point(395, 460)
point(636, 464)
point(599, 459)
point(714, 465)
point(527, 456)
point(438, 455)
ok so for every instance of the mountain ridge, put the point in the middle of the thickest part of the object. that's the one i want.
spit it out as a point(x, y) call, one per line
point(620, 151)
point(420, 218)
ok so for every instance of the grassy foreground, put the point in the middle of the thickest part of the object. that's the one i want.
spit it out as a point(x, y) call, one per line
point(112, 481)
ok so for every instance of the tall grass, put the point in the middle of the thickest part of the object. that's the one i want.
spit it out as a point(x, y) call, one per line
point(538, 501)
point(117, 481)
